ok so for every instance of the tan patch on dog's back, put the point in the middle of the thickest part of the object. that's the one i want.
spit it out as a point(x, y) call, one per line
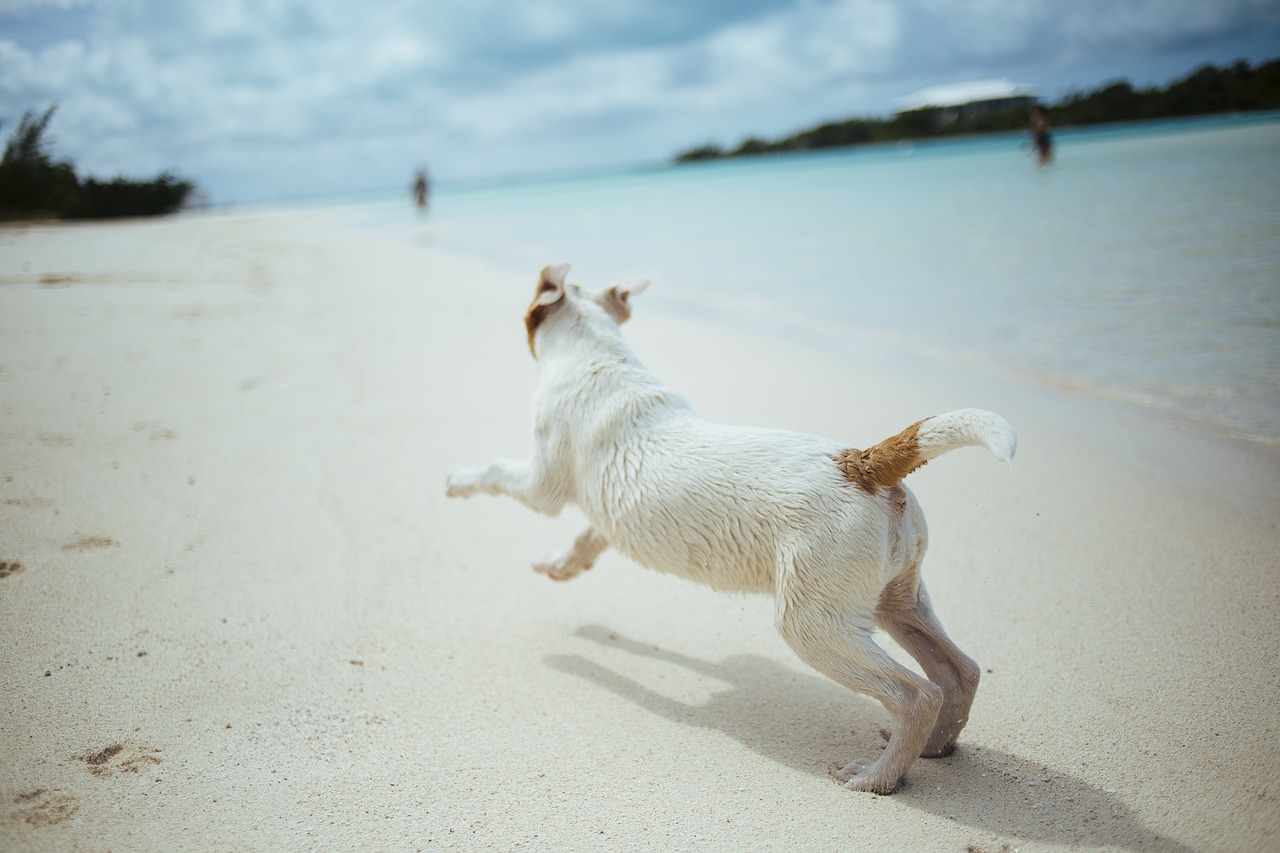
point(884, 464)
point(897, 497)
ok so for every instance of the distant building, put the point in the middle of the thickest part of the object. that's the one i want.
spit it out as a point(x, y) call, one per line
point(968, 100)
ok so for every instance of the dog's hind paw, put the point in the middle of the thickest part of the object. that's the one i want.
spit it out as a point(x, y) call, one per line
point(560, 567)
point(861, 775)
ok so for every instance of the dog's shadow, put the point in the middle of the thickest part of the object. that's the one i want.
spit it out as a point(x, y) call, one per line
point(810, 724)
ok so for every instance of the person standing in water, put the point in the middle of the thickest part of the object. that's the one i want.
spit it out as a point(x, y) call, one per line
point(1041, 140)
point(421, 189)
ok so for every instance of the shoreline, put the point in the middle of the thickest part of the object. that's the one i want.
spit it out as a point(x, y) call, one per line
point(222, 466)
point(1050, 291)
point(853, 343)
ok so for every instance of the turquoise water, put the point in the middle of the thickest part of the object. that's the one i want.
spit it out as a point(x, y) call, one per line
point(1143, 265)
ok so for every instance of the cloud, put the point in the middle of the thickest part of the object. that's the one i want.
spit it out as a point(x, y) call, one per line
point(10, 6)
point(281, 96)
point(1061, 33)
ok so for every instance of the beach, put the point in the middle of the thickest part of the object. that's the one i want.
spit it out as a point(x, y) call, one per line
point(240, 614)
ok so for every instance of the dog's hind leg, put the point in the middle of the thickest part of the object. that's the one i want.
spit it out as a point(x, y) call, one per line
point(905, 614)
point(842, 649)
point(580, 557)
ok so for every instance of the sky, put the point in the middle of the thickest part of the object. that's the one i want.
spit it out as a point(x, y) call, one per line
point(272, 99)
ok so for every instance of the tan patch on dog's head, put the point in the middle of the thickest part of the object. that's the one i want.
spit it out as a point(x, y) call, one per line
point(550, 291)
point(885, 464)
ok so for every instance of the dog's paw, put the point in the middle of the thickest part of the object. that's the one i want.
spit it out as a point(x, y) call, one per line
point(560, 567)
point(861, 775)
point(463, 483)
point(853, 768)
point(941, 750)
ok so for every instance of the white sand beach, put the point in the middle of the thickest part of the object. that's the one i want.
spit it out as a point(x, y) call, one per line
point(238, 612)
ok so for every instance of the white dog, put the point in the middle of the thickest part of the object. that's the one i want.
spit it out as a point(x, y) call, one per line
point(830, 531)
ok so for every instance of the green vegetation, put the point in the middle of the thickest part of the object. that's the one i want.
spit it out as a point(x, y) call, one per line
point(1208, 90)
point(35, 186)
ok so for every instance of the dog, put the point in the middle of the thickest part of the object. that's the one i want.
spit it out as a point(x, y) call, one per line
point(830, 531)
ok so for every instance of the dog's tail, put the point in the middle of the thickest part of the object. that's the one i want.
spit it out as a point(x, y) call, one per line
point(885, 464)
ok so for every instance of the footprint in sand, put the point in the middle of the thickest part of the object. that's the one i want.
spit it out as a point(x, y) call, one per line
point(42, 807)
point(89, 543)
point(155, 431)
point(9, 567)
point(28, 503)
point(119, 758)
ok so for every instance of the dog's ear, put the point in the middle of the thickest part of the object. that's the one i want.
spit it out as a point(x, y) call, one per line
point(617, 299)
point(550, 291)
point(551, 285)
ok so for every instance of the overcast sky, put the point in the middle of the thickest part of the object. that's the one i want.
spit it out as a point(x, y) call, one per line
point(263, 99)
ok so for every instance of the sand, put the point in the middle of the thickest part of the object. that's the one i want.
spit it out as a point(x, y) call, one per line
point(238, 612)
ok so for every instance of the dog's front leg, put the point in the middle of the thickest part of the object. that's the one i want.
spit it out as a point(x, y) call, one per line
point(530, 483)
point(569, 564)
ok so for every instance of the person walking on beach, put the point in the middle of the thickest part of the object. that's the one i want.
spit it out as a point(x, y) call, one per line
point(421, 187)
point(1041, 140)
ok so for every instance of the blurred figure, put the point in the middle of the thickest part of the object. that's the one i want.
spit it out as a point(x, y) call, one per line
point(1041, 140)
point(421, 189)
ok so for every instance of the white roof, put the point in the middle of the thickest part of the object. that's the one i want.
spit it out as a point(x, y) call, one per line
point(959, 94)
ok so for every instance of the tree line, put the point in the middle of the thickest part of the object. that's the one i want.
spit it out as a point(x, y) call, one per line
point(1206, 91)
point(33, 185)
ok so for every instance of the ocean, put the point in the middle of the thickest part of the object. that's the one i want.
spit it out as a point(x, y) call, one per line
point(1142, 266)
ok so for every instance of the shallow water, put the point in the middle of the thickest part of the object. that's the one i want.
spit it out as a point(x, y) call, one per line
point(1143, 265)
